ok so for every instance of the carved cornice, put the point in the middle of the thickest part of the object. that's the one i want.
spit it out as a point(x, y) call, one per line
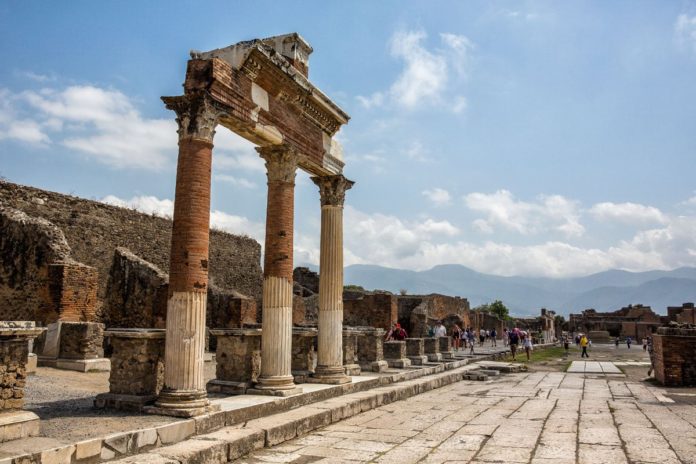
point(196, 114)
point(281, 162)
point(332, 189)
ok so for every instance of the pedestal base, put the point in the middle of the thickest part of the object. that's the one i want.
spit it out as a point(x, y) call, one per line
point(399, 363)
point(15, 425)
point(123, 402)
point(182, 403)
point(447, 355)
point(272, 392)
point(352, 369)
point(418, 360)
point(334, 379)
point(375, 366)
point(228, 387)
point(79, 365)
point(434, 357)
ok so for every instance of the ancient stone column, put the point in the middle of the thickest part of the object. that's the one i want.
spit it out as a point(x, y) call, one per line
point(330, 343)
point(184, 392)
point(276, 336)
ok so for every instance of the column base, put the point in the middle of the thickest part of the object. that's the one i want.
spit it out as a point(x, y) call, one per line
point(182, 403)
point(15, 425)
point(281, 385)
point(334, 375)
point(352, 369)
point(374, 366)
point(434, 357)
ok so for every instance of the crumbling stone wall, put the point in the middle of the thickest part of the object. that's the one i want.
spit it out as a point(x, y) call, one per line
point(684, 314)
point(137, 293)
point(39, 280)
point(429, 310)
point(13, 373)
point(370, 309)
point(81, 340)
point(632, 320)
point(94, 230)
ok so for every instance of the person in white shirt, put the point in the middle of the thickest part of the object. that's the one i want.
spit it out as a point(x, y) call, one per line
point(440, 330)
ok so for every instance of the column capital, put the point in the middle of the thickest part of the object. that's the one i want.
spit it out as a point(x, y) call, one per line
point(196, 114)
point(281, 162)
point(332, 189)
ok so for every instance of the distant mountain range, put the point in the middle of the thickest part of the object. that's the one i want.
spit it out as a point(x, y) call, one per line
point(605, 291)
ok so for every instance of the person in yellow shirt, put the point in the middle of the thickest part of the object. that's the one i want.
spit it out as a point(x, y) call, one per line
point(583, 344)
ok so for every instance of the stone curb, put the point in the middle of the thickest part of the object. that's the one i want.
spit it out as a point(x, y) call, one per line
point(250, 428)
point(234, 442)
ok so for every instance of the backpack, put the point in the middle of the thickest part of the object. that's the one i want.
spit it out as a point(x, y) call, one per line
point(514, 338)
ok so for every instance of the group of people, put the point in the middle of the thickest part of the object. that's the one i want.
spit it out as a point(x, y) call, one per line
point(517, 337)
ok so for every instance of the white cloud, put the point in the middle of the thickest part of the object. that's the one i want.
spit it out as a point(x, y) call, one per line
point(437, 227)
point(551, 212)
point(685, 31)
point(236, 181)
point(439, 197)
point(428, 75)
point(165, 208)
point(417, 152)
point(629, 213)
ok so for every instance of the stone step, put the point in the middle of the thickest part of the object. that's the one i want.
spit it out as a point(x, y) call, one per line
point(232, 442)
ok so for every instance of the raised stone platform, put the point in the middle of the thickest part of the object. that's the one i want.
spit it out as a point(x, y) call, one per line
point(244, 422)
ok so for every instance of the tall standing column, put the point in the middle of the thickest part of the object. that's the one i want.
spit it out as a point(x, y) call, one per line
point(184, 392)
point(330, 350)
point(276, 335)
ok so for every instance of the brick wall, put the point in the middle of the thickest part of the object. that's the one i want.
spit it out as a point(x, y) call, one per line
point(675, 356)
point(73, 291)
point(94, 230)
point(375, 310)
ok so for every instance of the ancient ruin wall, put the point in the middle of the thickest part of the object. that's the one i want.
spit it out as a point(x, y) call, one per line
point(94, 230)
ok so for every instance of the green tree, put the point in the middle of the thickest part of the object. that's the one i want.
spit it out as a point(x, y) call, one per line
point(497, 308)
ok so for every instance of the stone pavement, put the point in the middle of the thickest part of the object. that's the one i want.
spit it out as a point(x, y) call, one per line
point(543, 417)
point(593, 367)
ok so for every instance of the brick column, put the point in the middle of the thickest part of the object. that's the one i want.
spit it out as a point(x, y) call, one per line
point(184, 392)
point(330, 344)
point(276, 335)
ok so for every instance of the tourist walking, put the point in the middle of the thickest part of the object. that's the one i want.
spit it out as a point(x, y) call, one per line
point(456, 336)
point(514, 341)
point(462, 338)
point(645, 344)
point(583, 344)
point(528, 345)
point(566, 344)
point(651, 351)
point(628, 342)
point(505, 336)
point(440, 330)
point(616, 343)
point(494, 334)
point(472, 341)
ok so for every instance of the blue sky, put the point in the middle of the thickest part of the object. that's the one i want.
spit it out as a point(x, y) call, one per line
point(516, 138)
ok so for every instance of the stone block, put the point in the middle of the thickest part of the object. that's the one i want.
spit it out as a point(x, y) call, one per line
point(240, 441)
point(61, 455)
point(304, 353)
point(431, 345)
point(81, 340)
point(196, 451)
point(15, 425)
point(238, 359)
point(176, 431)
point(370, 347)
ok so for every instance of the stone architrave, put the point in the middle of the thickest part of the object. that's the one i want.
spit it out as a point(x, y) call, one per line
point(415, 351)
point(330, 368)
point(276, 339)
point(371, 350)
point(432, 349)
point(184, 393)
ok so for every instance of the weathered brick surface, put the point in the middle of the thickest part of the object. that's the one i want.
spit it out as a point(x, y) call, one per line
point(13, 358)
point(675, 356)
point(279, 230)
point(189, 251)
point(373, 309)
point(72, 288)
point(93, 231)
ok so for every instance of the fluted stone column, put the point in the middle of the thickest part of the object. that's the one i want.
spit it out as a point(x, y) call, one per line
point(184, 392)
point(330, 343)
point(276, 337)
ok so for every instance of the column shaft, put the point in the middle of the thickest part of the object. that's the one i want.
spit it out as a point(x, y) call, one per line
point(184, 391)
point(330, 337)
point(276, 336)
